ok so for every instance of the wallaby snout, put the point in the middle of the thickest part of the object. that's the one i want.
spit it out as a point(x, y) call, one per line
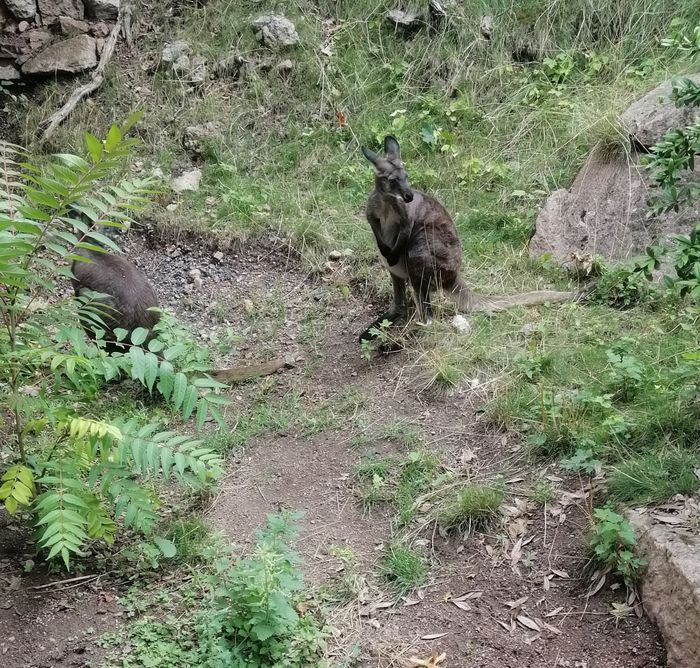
point(408, 196)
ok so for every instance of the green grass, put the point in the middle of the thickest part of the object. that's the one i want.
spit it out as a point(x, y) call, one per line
point(471, 507)
point(654, 477)
point(490, 140)
point(192, 538)
point(403, 568)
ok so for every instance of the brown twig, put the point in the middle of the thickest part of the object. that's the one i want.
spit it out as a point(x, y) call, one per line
point(98, 77)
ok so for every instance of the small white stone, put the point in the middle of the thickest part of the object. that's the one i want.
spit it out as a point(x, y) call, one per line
point(461, 324)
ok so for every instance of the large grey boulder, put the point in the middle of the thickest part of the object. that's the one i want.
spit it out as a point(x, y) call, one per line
point(50, 10)
point(671, 585)
point(648, 119)
point(605, 212)
point(275, 31)
point(21, 9)
point(106, 10)
point(69, 56)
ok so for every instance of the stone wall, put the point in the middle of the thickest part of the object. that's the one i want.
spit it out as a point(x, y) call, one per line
point(48, 37)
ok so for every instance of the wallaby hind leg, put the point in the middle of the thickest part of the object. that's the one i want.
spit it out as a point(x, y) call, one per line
point(421, 287)
point(396, 314)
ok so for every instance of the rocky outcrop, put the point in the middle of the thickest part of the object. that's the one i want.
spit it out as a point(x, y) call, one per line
point(648, 119)
point(9, 73)
point(22, 9)
point(51, 36)
point(275, 31)
point(671, 584)
point(107, 10)
point(69, 56)
point(605, 212)
point(51, 10)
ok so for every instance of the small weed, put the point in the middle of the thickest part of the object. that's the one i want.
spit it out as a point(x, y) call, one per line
point(403, 568)
point(543, 492)
point(373, 478)
point(612, 540)
point(192, 539)
point(417, 474)
point(471, 507)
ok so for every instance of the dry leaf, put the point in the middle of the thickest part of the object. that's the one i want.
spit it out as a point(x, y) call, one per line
point(553, 629)
point(469, 595)
point(560, 574)
point(518, 603)
point(555, 612)
point(411, 601)
point(528, 623)
point(504, 625)
point(370, 609)
point(530, 639)
point(430, 662)
point(517, 528)
point(516, 552)
point(434, 636)
point(462, 605)
point(545, 583)
point(599, 585)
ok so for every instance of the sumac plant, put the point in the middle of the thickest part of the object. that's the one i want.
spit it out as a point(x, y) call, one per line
point(78, 474)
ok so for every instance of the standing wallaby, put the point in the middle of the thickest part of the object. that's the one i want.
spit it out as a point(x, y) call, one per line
point(418, 243)
point(127, 300)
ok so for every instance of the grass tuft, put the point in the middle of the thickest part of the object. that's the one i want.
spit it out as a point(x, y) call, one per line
point(653, 477)
point(472, 507)
point(403, 568)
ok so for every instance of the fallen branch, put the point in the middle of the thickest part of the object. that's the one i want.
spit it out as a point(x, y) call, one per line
point(98, 77)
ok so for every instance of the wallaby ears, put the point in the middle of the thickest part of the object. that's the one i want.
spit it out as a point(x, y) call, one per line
point(391, 147)
point(370, 155)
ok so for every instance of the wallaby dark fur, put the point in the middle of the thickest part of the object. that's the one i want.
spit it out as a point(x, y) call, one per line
point(127, 295)
point(418, 242)
point(125, 301)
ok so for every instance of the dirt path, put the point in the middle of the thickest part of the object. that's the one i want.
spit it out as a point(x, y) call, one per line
point(525, 604)
point(535, 558)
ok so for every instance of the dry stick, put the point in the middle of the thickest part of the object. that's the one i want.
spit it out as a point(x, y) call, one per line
point(98, 77)
point(57, 583)
point(126, 27)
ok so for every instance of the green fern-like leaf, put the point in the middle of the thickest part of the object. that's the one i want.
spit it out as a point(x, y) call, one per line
point(62, 522)
point(17, 489)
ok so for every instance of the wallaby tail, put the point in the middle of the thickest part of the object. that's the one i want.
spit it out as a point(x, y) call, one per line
point(469, 302)
point(240, 374)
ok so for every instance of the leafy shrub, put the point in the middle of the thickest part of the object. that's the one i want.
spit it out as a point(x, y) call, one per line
point(79, 475)
point(612, 540)
point(252, 618)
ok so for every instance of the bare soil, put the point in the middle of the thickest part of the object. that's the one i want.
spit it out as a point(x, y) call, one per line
point(534, 560)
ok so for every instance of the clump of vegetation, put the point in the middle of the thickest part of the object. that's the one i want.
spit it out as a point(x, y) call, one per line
point(78, 472)
point(251, 613)
point(471, 507)
point(542, 492)
point(612, 541)
point(654, 477)
point(251, 618)
point(403, 568)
